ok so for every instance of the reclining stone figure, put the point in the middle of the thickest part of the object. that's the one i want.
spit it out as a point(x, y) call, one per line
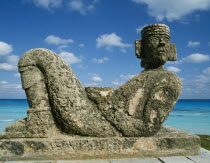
point(59, 104)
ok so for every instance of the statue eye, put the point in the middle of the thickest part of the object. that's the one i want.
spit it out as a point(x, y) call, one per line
point(154, 38)
point(166, 39)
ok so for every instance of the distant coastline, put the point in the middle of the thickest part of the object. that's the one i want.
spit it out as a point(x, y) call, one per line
point(190, 115)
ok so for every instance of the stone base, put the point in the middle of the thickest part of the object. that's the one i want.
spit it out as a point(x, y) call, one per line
point(168, 142)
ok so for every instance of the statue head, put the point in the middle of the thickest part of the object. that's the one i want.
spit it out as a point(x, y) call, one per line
point(155, 48)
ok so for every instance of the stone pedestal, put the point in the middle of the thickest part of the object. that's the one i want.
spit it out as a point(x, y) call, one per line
point(168, 142)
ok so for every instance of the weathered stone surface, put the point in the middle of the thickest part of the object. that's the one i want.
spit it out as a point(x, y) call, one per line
point(99, 94)
point(66, 120)
point(55, 85)
point(140, 106)
point(58, 102)
point(167, 142)
point(39, 123)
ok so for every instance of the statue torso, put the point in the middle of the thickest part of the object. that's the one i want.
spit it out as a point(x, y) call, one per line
point(132, 97)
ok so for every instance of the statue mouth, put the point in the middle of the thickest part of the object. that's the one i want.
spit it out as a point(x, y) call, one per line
point(161, 50)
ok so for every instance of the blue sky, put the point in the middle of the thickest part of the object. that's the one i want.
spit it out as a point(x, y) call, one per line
point(96, 38)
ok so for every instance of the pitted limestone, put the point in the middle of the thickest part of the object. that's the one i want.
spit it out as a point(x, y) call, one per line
point(62, 110)
point(167, 142)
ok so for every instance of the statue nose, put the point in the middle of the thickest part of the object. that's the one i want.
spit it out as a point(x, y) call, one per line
point(162, 42)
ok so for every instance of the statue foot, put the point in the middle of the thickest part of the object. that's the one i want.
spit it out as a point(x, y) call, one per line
point(15, 130)
point(38, 124)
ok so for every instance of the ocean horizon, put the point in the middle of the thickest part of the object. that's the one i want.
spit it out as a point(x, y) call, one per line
point(190, 115)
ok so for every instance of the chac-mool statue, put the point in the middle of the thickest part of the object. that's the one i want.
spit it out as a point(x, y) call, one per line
point(67, 121)
point(60, 104)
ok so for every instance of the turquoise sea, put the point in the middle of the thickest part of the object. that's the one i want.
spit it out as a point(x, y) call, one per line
point(192, 116)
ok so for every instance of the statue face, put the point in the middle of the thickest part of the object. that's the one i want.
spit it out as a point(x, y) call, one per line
point(155, 50)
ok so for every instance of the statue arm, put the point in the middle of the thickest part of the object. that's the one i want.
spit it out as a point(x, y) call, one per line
point(155, 108)
point(159, 105)
point(125, 124)
point(33, 83)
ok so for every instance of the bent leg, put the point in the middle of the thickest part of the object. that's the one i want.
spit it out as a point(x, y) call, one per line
point(73, 112)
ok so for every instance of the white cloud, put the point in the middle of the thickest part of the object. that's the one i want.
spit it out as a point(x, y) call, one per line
point(193, 44)
point(3, 82)
point(127, 77)
point(173, 9)
point(193, 58)
point(82, 6)
point(62, 47)
point(7, 67)
point(47, 4)
point(102, 60)
point(123, 79)
point(207, 71)
point(9, 63)
point(82, 67)
point(11, 91)
point(123, 50)
point(57, 40)
point(81, 45)
point(110, 40)
point(173, 69)
point(95, 77)
point(197, 86)
point(13, 59)
point(117, 82)
point(91, 84)
point(138, 30)
point(196, 58)
point(203, 79)
point(70, 58)
point(16, 86)
point(17, 75)
point(5, 48)
point(201, 82)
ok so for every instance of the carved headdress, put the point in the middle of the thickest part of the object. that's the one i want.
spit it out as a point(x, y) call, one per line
point(155, 29)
